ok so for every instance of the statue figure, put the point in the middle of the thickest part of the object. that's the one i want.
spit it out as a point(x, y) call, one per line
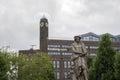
point(79, 68)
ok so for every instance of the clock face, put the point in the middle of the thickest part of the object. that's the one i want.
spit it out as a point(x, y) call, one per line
point(46, 24)
point(42, 24)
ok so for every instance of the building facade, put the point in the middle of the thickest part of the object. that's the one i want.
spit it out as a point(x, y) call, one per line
point(59, 50)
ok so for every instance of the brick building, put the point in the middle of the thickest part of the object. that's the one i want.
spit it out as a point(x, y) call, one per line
point(59, 49)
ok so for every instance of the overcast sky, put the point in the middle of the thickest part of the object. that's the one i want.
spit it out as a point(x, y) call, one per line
point(19, 19)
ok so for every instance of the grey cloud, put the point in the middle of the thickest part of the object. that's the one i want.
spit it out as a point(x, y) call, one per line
point(19, 19)
point(17, 24)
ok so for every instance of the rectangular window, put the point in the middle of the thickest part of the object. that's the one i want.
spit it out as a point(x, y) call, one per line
point(58, 75)
point(56, 64)
point(93, 54)
point(53, 53)
point(93, 47)
point(65, 46)
point(72, 63)
point(69, 64)
point(66, 53)
point(65, 64)
point(54, 49)
point(53, 46)
point(67, 75)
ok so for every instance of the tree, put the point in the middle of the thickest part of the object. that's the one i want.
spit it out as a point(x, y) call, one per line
point(91, 69)
point(3, 65)
point(117, 66)
point(91, 73)
point(8, 65)
point(90, 60)
point(103, 67)
point(104, 63)
point(25, 67)
point(35, 67)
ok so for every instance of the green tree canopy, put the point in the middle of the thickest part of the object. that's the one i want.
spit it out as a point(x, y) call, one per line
point(3, 65)
point(35, 67)
point(90, 60)
point(117, 66)
point(25, 67)
point(104, 63)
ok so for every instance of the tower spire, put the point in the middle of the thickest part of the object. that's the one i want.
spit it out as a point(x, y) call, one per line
point(43, 15)
point(43, 34)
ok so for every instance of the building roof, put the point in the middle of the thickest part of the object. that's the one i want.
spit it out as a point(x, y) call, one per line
point(90, 34)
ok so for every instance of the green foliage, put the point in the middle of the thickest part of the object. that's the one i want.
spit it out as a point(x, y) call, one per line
point(104, 64)
point(91, 73)
point(91, 70)
point(35, 67)
point(3, 65)
point(117, 66)
point(25, 67)
point(8, 65)
point(89, 61)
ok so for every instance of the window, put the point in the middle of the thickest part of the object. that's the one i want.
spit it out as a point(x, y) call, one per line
point(56, 64)
point(55, 46)
point(93, 47)
point(57, 49)
point(66, 75)
point(86, 38)
point(93, 54)
point(90, 38)
point(65, 46)
point(95, 39)
point(86, 46)
point(57, 75)
point(112, 39)
point(53, 53)
point(66, 53)
point(72, 63)
point(118, 40)
point(67, 64)
point(54, 49)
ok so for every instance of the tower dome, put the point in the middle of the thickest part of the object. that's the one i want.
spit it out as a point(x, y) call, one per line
point(44, 19)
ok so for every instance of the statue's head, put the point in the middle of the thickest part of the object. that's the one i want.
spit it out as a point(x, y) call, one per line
point(77, 38)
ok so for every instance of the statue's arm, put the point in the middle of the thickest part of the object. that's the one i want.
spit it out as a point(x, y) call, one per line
point(84, 49)
point(73, 57)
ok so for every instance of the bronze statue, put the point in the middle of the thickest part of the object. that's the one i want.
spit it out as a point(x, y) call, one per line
point(79, 68)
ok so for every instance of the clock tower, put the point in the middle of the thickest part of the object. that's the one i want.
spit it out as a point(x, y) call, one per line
point(43, 34)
